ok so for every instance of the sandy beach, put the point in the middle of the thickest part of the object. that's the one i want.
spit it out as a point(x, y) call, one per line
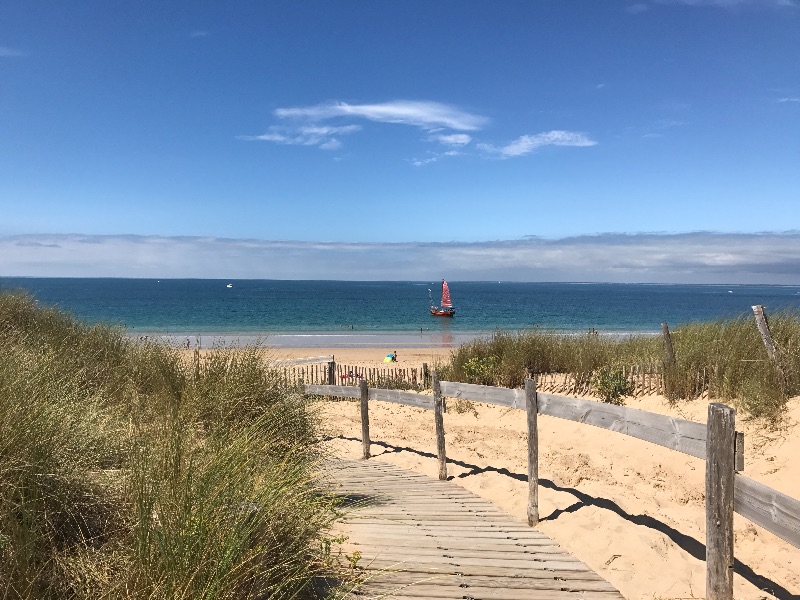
point(632, 511)
point(369, 357)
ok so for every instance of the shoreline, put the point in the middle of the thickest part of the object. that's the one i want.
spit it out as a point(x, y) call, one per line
point(352, 339)
point(319, 340)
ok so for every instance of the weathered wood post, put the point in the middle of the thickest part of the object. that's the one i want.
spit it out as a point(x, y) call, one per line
point(332, 372)
point(439, 420)
point(668, 361)
point(766, 335)
point(425, 375)
point(364, 418)
point(532, 408)
point(669, 352)
point(769, 343)
point(720, 451)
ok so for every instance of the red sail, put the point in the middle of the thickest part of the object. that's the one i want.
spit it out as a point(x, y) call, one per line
point(446, 303)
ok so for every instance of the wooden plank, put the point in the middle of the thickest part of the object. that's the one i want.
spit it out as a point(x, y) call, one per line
point(337, 391)
point(484, 393)
point(457, 559)
point(676, 434)
point(462, 519)
point(769, 508)
point(485, 584)
point(533, 577)
point(475, 567)
point(467, 546)
point(502, 558)
point(401, 397)
point(684, 436)
point(456, 592)
point(719, 501)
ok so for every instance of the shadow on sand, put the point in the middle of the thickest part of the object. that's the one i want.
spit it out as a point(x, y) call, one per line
point(687, 543)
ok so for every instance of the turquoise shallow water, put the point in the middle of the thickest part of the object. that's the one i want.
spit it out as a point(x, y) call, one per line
point(344, 313)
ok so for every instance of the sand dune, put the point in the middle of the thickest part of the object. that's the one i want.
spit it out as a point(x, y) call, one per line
point(632, 511)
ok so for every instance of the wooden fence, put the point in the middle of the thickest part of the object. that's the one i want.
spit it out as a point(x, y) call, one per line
point(324, 370)
point(717, 443)
point(647, 378)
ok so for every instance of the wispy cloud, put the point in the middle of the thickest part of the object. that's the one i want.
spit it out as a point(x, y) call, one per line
point(198, 33)
point(308, 135)
point(788, 99)
point(698, 257)
point(421, 162)
point(526, 144)
point(445, 124)
point(427, 115)
point(732, 3)
point(6, 52)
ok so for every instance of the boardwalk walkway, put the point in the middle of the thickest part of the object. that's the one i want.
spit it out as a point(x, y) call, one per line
point(424, 538)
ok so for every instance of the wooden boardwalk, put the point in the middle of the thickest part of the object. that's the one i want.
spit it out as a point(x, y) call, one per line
point(424, 538)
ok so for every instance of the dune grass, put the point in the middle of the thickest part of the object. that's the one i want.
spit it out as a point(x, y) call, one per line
point(724, 359)
point(126, 472)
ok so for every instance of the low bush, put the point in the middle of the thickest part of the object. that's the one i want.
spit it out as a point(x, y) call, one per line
point(611, 384)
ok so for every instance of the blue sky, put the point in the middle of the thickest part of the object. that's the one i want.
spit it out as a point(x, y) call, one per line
point(377, 127)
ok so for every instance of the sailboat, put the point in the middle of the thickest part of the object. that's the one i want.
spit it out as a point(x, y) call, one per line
point(446, 309)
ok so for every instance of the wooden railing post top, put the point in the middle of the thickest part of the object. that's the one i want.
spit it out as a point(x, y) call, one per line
point(719, 406)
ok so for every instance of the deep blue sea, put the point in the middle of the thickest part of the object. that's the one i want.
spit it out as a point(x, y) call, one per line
point(345, 313)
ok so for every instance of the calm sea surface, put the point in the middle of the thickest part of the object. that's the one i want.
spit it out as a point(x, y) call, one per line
point(341, 313)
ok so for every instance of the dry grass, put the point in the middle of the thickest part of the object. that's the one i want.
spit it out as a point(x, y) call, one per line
point(724, 359)
point(126, 473)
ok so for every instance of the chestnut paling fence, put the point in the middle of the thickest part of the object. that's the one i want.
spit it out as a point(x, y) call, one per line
point(325, 370)
point(646, 378)
point(717, 442)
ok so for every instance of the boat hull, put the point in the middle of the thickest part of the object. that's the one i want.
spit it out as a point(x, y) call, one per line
point(443, 312)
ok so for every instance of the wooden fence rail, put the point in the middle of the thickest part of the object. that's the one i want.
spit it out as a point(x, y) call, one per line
point(717, 443)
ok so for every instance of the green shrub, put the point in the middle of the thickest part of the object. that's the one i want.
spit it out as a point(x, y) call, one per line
point(481, 370)
point(611, 384)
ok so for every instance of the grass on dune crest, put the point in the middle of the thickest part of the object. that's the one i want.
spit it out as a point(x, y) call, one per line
point(724, 359)
point(126, 472)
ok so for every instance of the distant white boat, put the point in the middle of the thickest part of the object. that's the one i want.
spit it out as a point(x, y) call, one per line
point(229, 285)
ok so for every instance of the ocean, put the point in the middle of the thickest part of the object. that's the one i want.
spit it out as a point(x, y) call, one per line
point(330, 314)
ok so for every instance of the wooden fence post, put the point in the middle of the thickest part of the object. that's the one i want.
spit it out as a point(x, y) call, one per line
point(769, 343)
point(720, 448)
point(332, 373)
point(425, 375)
point(669, 352)
point(439, 420)
point(668, 362)
point(766, 335)
point(532, 408)
point(364, 418)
